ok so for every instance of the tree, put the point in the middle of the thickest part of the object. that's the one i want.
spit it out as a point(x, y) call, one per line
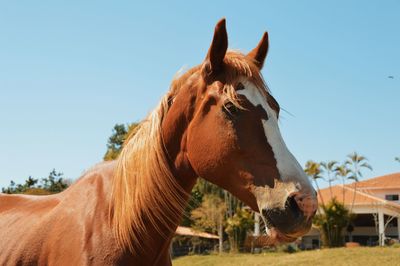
point(30, 182)
point(334, 216)
point(210, 215)
point(332, 222)
point(329, 168)
point(116, 140)
point(11, 189)
point(356, 164)
point(343, 172)
point(54, 183)
point(232, 203)
point(397, 159)
point(14, 188)
point(237, 227)
point(313, 170)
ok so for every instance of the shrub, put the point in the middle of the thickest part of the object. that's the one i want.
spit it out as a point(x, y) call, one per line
point(332, 221)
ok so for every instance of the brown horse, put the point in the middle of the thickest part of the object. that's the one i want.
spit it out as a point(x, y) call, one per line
point(218, 121)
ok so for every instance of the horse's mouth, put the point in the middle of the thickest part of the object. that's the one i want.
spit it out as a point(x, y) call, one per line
point(286, 212)
point(275, 236)
point(284, 226)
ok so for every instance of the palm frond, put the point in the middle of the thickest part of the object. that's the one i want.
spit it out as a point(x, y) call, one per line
point(353, 177)
point(332, 164)
point(366, 165)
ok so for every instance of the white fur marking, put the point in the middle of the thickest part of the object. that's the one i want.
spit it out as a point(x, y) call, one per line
point(288, 167)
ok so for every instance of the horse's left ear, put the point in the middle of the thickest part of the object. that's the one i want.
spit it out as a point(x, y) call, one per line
point(260, 52)
point(216, 53)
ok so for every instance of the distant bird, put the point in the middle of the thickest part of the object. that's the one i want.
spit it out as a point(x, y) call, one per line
point(391, 77)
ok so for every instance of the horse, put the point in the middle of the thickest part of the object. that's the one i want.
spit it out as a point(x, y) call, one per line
point(218, 121)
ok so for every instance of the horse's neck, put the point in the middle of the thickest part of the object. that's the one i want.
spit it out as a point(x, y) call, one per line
point(157, 237)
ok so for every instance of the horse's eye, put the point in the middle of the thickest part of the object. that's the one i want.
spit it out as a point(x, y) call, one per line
point(239, 86)
point(230, 109)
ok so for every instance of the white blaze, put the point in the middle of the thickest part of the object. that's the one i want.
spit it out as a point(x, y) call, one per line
point(288, 167)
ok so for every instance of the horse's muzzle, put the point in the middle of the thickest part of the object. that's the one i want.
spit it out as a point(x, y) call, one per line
point(295, 219)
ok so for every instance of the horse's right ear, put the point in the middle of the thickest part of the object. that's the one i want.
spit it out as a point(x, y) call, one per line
point(215, 57)
point(259, 53)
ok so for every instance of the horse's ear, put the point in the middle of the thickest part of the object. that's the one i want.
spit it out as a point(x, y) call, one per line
point(260, 52)
point(216, 53)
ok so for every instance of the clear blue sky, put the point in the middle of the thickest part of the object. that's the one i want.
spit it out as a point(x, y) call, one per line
point(69, 71)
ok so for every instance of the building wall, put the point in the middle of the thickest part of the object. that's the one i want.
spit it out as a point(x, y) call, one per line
point(365, 235)
point(380, 193)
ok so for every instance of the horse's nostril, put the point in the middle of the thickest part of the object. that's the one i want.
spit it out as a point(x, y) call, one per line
point(293, 205)
point(307, 204)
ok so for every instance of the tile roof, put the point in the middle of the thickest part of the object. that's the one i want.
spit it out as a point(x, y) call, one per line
point(385, 181)
point(339, 192)
point(362, 195)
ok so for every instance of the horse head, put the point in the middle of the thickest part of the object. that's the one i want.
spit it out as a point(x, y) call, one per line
point(232, 138)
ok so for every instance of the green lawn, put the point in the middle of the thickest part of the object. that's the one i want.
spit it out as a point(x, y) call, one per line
point(330, 257)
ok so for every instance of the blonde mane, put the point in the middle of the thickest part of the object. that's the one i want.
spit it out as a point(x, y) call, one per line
point(144, 189)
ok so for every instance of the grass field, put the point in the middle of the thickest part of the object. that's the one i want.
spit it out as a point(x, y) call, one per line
point(333, 257)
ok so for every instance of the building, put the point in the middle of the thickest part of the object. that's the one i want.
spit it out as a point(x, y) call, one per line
point(377, 205)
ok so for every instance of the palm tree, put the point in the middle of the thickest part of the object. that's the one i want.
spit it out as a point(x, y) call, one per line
point(313, 170)
point(397, 159)
point(329, 168)
point(342, 171)
point(356, 163)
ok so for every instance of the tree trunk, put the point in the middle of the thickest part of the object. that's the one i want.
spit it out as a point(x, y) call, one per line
point(319, 192)
point(343, 189)
point(221, 237)
point(354, 196)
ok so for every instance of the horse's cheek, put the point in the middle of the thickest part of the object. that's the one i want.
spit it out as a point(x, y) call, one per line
point(209, 146)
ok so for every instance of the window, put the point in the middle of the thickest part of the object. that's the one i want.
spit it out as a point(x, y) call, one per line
point(393, 197)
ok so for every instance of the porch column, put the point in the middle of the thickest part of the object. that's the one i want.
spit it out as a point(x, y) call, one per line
point(256, 224)
point(398, 227)
point(381, 226)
